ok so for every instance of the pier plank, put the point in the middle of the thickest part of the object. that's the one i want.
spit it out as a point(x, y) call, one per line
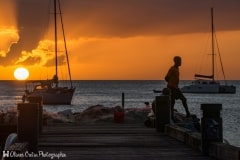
point(113, 141)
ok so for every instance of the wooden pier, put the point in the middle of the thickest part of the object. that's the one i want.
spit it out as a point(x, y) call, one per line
point(107, 140)
point(113, 141)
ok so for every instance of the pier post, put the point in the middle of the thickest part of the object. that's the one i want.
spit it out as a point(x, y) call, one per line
point(211, 125)
point(123, 100)
point(27, 128)
point(162, 112)
point(39, 100)
point(119, 111)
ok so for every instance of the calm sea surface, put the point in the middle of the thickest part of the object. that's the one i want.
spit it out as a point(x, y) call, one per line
point(108, 93)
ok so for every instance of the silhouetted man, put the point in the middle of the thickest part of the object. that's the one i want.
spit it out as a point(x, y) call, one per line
point(172, 78)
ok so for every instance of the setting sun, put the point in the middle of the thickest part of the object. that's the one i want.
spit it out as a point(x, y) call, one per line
point(21, 73)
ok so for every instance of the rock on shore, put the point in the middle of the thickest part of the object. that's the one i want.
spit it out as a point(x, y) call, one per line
point(99, 113)
point(93, 114)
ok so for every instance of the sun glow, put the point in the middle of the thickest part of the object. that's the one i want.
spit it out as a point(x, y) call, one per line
point(21, 73)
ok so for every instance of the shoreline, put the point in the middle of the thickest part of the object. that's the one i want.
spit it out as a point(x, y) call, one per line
point(92, 114)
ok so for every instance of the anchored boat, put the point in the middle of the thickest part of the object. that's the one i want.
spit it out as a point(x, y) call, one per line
point(207, 83)
point(50, 90)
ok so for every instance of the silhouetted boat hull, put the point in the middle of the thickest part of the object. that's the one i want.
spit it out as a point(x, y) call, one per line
point(55, 96)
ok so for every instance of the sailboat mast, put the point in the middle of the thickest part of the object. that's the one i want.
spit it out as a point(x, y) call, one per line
point(213, 54)
point(56, 44)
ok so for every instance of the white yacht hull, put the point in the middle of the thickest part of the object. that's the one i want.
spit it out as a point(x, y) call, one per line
point(208, 87)
point(201, 88)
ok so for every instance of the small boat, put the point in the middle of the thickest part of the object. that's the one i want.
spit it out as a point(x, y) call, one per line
point(50, 90)
point(207, 83)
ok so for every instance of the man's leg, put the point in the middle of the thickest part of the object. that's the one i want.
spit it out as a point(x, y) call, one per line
point(184, 102)
point(172, 105)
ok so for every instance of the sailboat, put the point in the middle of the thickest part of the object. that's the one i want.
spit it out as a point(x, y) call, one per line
point(50, 90)
point(207, 83)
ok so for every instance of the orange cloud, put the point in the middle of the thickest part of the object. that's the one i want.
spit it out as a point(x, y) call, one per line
point(43, 55)
point(8, 37)
point(8, 26)
point(38, 56)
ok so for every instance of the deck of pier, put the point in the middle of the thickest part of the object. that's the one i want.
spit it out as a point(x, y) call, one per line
point(113, 141)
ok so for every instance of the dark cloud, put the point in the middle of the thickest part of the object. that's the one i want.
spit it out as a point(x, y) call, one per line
point(31, 61)
point(31, 20)
point(121, 18)
point(61, 61)
point(148, 17)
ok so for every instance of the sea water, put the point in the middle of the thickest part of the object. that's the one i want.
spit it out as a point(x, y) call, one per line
point(109, 94)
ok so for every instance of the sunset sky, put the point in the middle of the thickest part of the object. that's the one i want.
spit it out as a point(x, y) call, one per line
point(119, 39)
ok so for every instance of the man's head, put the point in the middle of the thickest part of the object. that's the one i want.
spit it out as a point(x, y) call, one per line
point(177, 60)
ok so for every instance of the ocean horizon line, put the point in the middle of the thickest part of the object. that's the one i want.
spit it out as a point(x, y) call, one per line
point(109, 80)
